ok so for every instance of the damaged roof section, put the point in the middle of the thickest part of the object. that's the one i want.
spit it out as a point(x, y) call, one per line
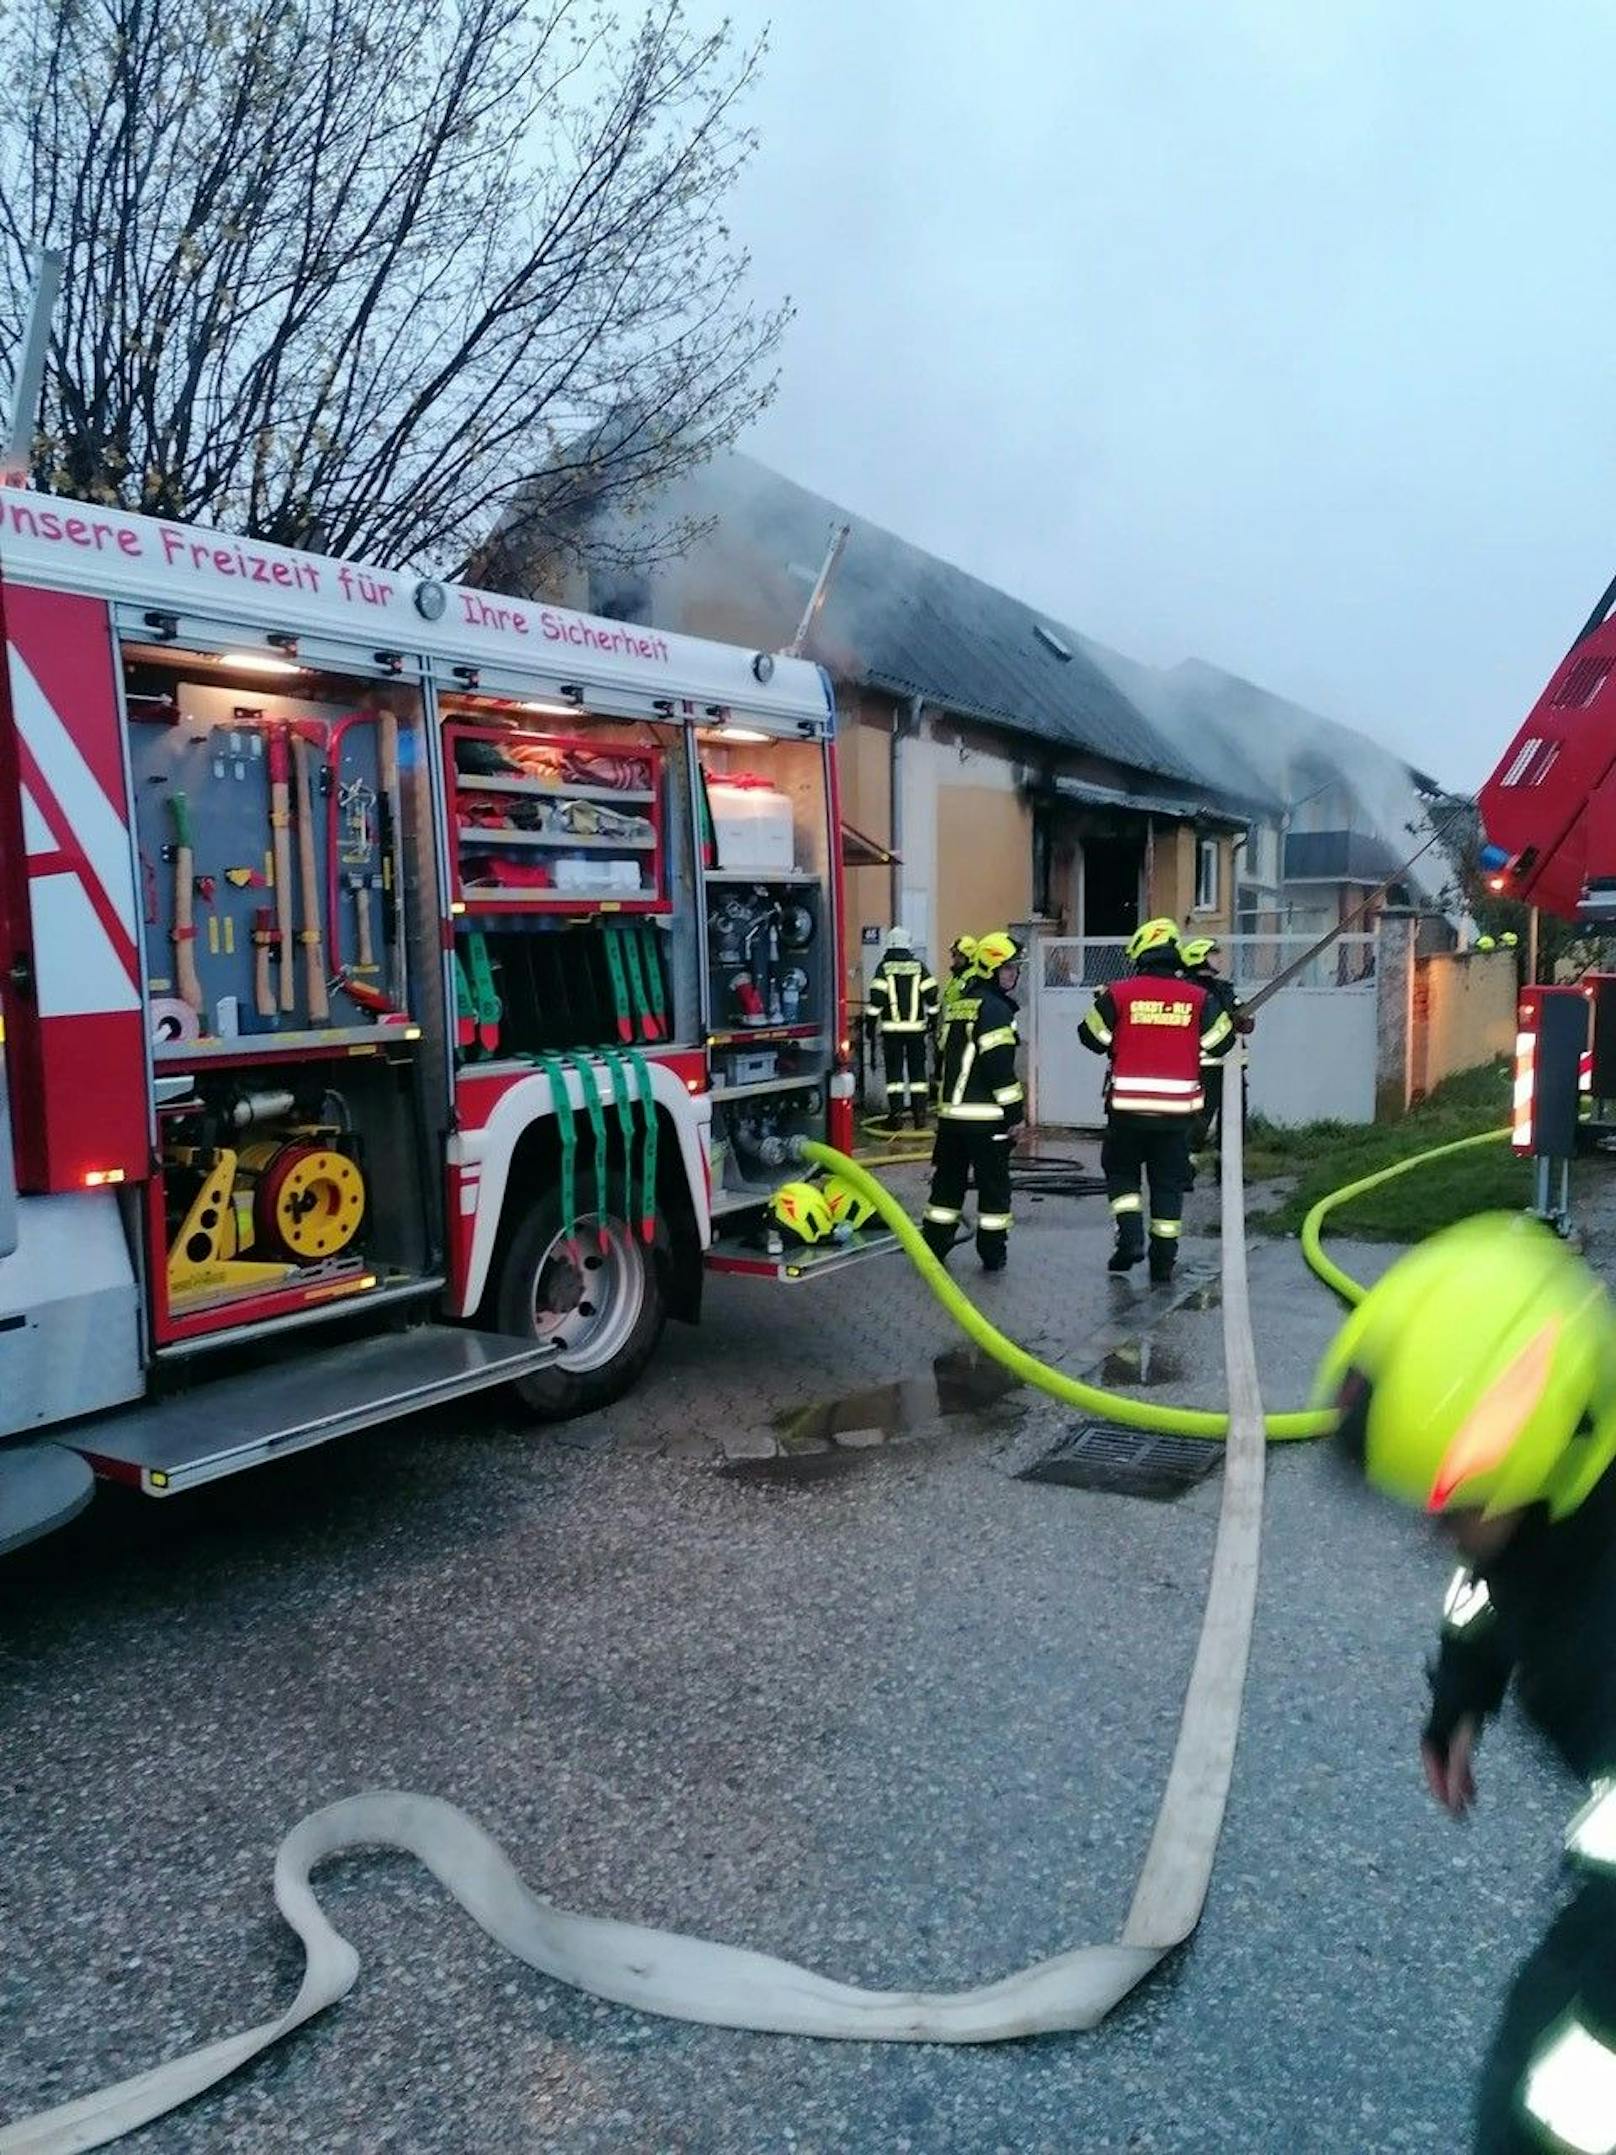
point(895, 619)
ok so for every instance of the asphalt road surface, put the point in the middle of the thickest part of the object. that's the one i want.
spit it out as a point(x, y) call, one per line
point(873, 1704)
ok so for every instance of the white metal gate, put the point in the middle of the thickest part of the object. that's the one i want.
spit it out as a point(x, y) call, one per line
point(1311, 1059)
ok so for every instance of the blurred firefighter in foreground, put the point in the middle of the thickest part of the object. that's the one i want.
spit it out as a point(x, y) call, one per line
point(903, 1003)
point(1197, 954)
point(1504, 1431)
point(1155, 1027)
point(980, 1103)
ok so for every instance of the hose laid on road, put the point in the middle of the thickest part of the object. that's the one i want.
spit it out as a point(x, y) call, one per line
point(1342, 1283)
point(1025, 1367)
point(727, 1986)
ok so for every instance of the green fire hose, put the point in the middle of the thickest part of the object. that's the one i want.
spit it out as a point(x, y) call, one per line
point(1350, 1290)
point(1090, 1398)
point(1070, 1391)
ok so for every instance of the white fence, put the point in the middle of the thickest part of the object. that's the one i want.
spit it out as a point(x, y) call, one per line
point(1311, 1059)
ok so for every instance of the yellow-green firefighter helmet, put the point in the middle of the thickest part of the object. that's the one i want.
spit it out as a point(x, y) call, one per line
point(1479, 1373)
point(1198, 949)
point(998, 947)
point(1160, 934)
point(800, 1212)
point(847, 1207)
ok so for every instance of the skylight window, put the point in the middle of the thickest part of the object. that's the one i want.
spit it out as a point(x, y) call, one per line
point(1051, 642)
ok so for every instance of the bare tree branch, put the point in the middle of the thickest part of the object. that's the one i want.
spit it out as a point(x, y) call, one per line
point(380, 280)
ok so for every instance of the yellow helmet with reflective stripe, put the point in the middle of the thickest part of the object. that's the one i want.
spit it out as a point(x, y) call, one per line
point(1479, 1373)
point(799, 1210)
point(964, 946)
point(1198, 949)
point(1158, 934)
point(999, 947)
point(847, 1207)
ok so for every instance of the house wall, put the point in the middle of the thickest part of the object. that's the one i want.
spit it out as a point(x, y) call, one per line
point(1172, 881)
point(966, 837)
point(864, 762)
point(1465, 1013)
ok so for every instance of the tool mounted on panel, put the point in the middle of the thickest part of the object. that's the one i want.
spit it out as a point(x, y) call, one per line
point(186, 978)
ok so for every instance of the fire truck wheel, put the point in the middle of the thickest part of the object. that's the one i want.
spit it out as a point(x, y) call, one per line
point(597, 1294)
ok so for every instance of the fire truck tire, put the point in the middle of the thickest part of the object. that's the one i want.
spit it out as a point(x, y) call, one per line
point(598, 1294)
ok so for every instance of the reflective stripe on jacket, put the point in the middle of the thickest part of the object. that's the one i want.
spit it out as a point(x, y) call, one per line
point(1156, 1028)
point(979, 1082)
point(903, 995)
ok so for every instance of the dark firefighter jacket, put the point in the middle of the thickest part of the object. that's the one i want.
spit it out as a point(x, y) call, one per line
point(1157, 1028)
point(979, 1083)
point(903, 994)
point(1543, 1612)
point(1222, 993)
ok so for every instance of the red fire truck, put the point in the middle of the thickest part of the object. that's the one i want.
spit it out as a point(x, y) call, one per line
point(1549, 831)
point(405, 990)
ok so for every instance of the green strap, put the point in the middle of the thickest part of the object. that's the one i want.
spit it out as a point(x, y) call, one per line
point(656, 1000)
point(487, 1009)
point(597, 1125)
point(623, 1100)
point(648, 1156)
point(644, 1024)
point(614, 964)
point(465, 1012)
point(567, 1131)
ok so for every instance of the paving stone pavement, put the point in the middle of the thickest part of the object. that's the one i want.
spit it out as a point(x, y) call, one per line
point(740, 1386)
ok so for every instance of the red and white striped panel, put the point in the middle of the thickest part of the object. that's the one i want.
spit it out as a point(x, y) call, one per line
point(79, 1034)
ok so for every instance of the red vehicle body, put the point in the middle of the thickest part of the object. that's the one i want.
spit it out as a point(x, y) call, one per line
point(449, 970)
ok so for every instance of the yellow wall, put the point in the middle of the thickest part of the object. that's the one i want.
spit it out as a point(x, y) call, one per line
point(984, 855)
point(864, 762)
point(1172, 881)
point(1469, 1013)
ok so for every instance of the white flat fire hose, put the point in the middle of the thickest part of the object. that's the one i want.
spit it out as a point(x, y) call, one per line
point(695, 1979)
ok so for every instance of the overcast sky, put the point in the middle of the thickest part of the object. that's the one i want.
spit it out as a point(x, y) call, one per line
point(1274, 332)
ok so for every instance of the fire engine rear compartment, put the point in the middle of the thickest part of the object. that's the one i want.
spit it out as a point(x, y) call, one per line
point(295, 1035)
point(349, 893)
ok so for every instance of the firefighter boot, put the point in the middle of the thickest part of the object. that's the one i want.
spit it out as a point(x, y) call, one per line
point(1163, 1253)
point(1130, 1247)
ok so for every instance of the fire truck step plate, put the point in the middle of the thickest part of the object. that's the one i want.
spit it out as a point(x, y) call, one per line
point(213, 1429)
point(41, 1487)
point(797, 1266)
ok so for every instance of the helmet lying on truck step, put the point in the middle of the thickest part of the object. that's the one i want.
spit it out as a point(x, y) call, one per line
point(849, 1208)
point(799, 1210)
point(1479, 1374)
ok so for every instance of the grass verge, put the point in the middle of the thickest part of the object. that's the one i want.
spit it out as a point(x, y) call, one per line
point(1324, 1155)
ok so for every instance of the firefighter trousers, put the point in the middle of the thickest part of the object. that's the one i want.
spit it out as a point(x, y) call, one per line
point(965, 1151)
point(905, 1057)
point(1571, 1971)
point(1153, 1149)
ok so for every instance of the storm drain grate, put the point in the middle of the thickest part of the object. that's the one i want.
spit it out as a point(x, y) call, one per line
point(1125, 1462)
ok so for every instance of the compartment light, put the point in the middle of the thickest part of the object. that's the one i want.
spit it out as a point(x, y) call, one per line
point(548, 708)
point(258, 662)
point(99, 1177)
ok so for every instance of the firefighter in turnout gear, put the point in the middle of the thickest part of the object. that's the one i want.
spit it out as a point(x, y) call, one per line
point(980, 1104)
point(903, 1003)
point(961, 958)
point(1196, 954)
point(1155, 1027)
point(1476, 1383)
